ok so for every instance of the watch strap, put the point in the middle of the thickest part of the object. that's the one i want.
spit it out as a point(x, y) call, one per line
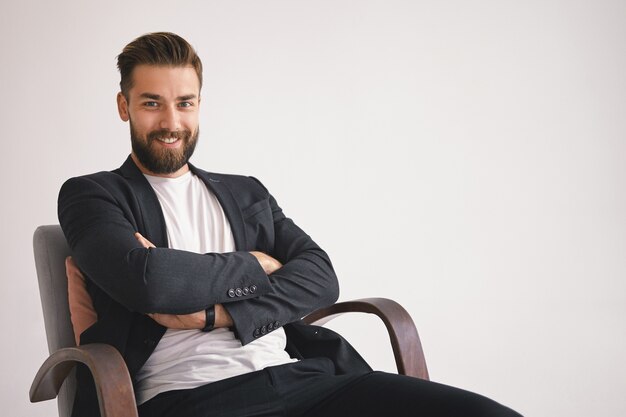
point(210, 319)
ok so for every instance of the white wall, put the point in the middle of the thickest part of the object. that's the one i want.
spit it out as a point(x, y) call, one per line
point(467, 159)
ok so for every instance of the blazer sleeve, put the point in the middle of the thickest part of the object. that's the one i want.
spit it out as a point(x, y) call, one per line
point(305, 282)
point(99, 225)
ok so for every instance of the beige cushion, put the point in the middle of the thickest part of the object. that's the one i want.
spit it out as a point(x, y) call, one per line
point(82, 313)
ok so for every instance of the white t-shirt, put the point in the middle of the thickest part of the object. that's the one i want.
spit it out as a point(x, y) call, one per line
point(186, 359)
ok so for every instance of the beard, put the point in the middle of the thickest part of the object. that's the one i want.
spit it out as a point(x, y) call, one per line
point(160, 160)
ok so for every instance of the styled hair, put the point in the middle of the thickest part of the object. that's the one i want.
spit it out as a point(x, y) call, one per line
point(159, 49)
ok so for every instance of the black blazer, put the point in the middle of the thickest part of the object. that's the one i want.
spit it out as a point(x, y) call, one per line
point(99, 214)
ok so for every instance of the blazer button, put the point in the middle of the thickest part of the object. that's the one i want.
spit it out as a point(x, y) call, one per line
point(246, 290)
point(238, 292)
point(252, 289)
point(256, 333)
point(231, 293)
point(270, 327)
point(276, 324)
point(263, 330)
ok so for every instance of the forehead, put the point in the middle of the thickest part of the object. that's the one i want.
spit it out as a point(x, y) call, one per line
point(165, 81)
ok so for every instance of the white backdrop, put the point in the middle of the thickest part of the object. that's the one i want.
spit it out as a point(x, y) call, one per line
point(467, 159)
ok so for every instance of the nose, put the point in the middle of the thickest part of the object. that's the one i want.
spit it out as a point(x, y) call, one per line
point(170, 119)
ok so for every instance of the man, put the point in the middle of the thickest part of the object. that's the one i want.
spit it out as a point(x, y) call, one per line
point(199, 279)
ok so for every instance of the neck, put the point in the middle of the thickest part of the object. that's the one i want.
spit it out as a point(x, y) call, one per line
point(181, 171)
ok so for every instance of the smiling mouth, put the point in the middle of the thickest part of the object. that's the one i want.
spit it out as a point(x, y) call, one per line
point(167, 140)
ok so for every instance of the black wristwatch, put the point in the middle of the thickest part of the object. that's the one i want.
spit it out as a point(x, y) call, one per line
point(210, 319)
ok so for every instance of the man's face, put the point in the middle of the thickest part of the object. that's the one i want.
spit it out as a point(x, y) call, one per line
point(162, 109)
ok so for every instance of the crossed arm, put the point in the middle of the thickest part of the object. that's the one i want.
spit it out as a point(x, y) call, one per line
point(197, 320)
point(99, 217)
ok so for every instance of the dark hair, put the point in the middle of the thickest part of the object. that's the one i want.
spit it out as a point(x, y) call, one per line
point(158, 48)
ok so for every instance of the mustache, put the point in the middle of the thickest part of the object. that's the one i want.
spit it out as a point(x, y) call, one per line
point(165, 133)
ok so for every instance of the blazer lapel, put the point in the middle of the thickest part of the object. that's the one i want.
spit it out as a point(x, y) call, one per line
point(152, 222)
point(226, 198)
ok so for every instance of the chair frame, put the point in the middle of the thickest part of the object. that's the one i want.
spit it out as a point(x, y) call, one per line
point(114, 386)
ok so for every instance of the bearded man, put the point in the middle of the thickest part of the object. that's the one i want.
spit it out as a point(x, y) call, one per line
point(200, 280)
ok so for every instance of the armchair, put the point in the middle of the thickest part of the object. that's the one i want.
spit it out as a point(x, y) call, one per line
point(56, 378)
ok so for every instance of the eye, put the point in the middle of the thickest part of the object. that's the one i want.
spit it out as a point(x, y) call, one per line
point(150, 104)
point(185, 104)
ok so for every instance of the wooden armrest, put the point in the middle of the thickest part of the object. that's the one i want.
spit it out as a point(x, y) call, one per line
point(407, 348)
point(111, 378)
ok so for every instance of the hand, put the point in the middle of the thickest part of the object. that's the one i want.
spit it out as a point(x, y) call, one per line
point(269, 264)
point(144, 242)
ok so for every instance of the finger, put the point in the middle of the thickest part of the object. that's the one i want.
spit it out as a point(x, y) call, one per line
point(144, 242)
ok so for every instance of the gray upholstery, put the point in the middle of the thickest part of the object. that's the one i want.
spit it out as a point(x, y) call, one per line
point(51, 249)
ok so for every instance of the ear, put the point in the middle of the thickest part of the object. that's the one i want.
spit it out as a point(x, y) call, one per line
point(122, 107)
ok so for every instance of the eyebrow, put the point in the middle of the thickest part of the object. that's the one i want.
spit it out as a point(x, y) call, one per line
point(152, 96)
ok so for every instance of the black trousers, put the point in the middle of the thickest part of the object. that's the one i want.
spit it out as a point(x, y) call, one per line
point(310, 388)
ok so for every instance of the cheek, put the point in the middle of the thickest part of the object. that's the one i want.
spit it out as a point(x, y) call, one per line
point(190, 121)
point(143, 123)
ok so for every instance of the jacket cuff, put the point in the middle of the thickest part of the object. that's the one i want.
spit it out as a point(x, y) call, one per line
point(251, 322)
point(253, 283)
